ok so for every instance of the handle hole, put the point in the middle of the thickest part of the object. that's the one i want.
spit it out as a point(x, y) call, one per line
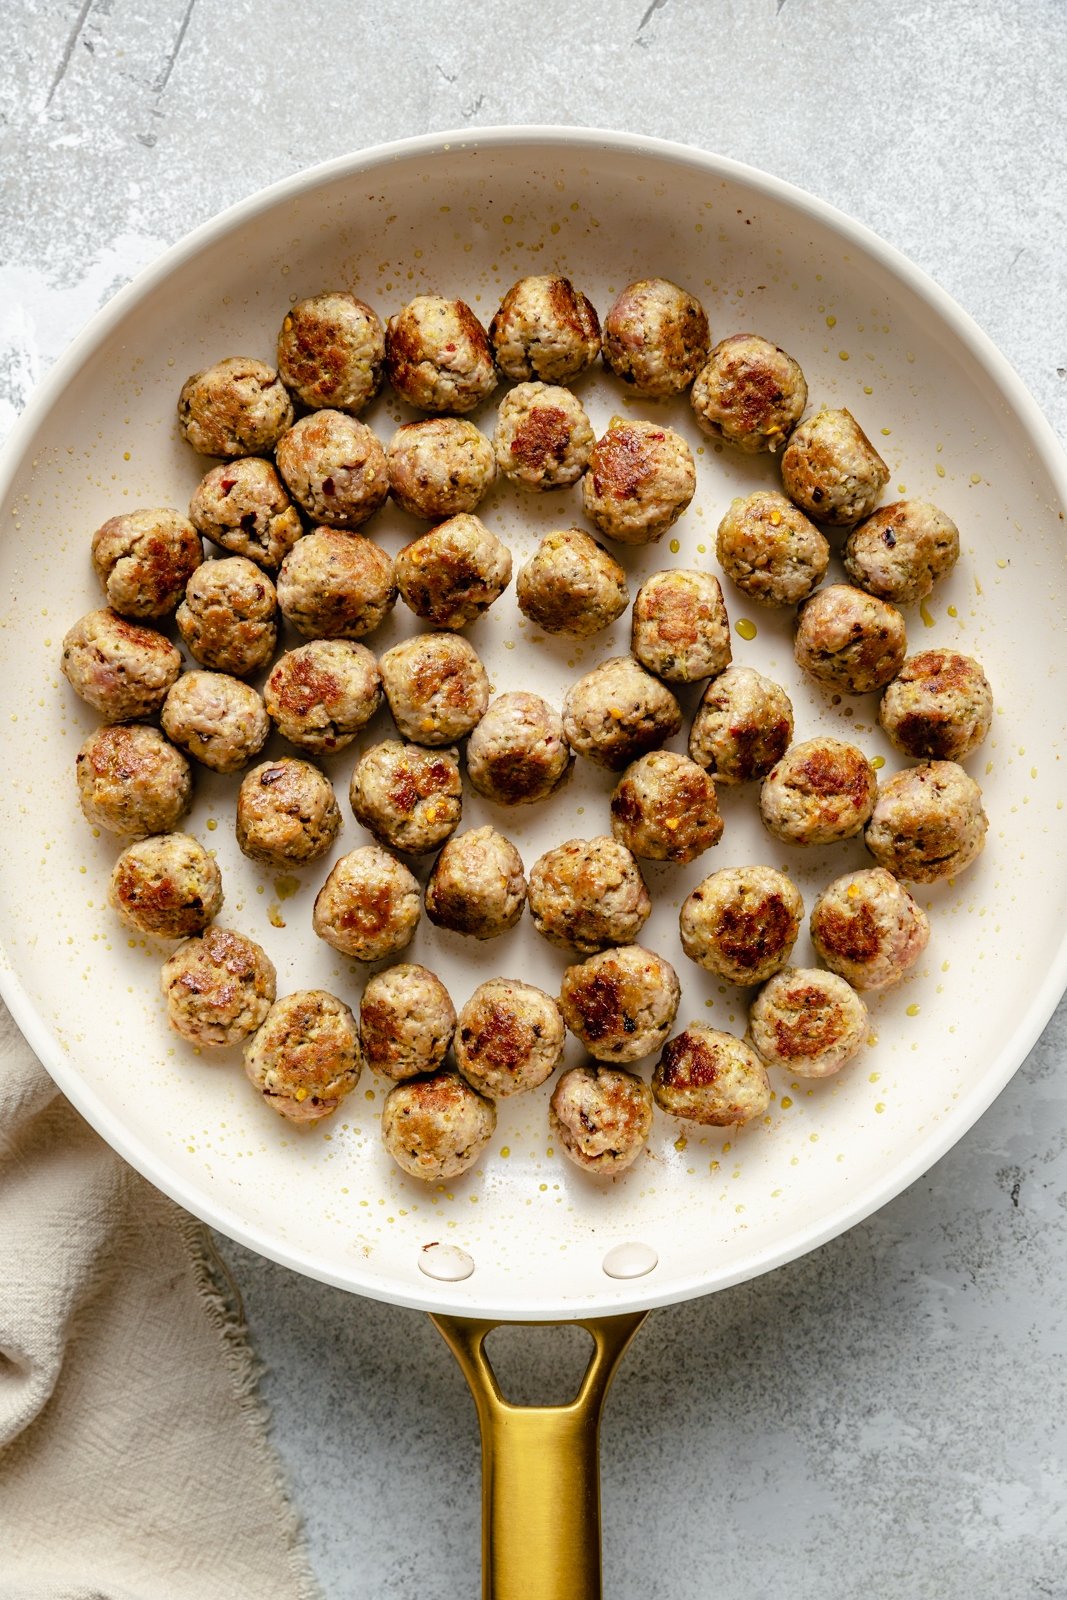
point(539, 1366)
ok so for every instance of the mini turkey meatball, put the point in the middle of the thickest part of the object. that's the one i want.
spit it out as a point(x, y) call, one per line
point(928, 823)
point(663, 808)
point(509, 1038)
point(218, 988)
point(617, 712)
point(572, 585)
point(742, 726)
point(219, 720)
point(656, 337)
point(144, 559)
point(820, 792)
point(436, 1128)
point(335, 585)
point(769, 549)
point(287, 813)
point(680, 628)
point(742, 923)
point(588, 893)
point(228, 618)
point(831, 470)
point(750, 393)
point(542, 438)
point(123, 670)
point(439, 467)
point(238, 407)
point(334, 467)
point(166, 886)
point(132, 781)
point(620, 1003)
point(331, 350)
point(641, 478)
point(711, 1078)
point(602, 1118)
point(453, 574)
point(518, 753)
point(438, 356)
point(305, 1057)
point(939, 705)
point(808, 1022)
point(406, 1021)
point(850, 640)
point(902, 551)
point(369, 905)
point(545, 328)
point(436, 687)
point(411, 799)
point(321, 694)
point(477, 885)
point(867, 928)
point(243, 506)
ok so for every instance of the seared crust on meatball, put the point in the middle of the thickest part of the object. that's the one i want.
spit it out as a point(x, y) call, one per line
point(656, 337)
point(436, 1128)
point(509, 1037)
point(572, 585)
point(602, 1118)
point(218, 987)
point(850, 640)
point(641, 478)
point(663, 808)
point(820, 792)
point(901, 552)
point(436, 687)
point(369, 905)
point(928, 822)
point(453, 573)
point(238, 407)
point(542, 438)
point(410, 798)
point(335, 585)
point(811, 1023)
point(406, 1021)
point(122, 669)
point(742, 726)
point(437, 355)
point(133, 781)
point(545, 328)
point(939, 705)
point(219, 720)
point(620, 1003)
point(166, 886)
point(305, 1057)
point(750, 393)
point(439, 467)
point(680, 628)
point(518, 753)
point(243, 506)
point(769, 549)
point(228, 617)
point(742, 923)
point(287, 813)
point(331, 349)
point(867, 928)
point(831, 470)
point(322, 693)
point(477, 885)
point(144, 559)
point(711, 1077)
point(617, 712)
point(588, 893)
point(334, 467)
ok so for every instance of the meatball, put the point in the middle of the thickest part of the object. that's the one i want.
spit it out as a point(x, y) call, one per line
point(243, 506)
point(452, 574)
point(509, 1037)
point(769, 549)
point(750, 393)
point(335, 585)
point(228, 618)
point(518, 753)
point(436, 1128)
point(832, 471)
point(410, 798)
point(940, 705)
point(928, 823)
point(545, 328)
point(437, 355)
point(218, 987)
point(867, 928)
point(322, 693)
point(742, 923)
point(680, 628)
point(711, 1078)
point(542, 437)
point(742, 726)
point(287, 813)
point(620, 1003)
point(477, 885)
point(369, 905)
point(849, 640)
point(406, 1021)
point(305, 1057)
point(656, 337)
point(641, 478)
point(439, 467)
point(331, 349)
point(663, 808)
point(218, 719)
point(144, 560)
point(238, 407)
point(133, 781)
point(808, 1022)
point(602, 1118)
point(572, 585)
point(122, 669)
point(588, 893)
point(167, 886)
point(617, 712)
point(436, 687)
point(901, 552)
point(334, 467)
point(820, 792)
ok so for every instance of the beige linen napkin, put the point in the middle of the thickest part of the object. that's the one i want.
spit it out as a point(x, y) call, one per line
point(134, 1463)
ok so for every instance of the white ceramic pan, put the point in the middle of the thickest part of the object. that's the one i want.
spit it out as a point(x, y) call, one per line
point(468, 215)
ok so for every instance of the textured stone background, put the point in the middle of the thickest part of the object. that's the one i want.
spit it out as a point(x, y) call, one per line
point(886, 1417)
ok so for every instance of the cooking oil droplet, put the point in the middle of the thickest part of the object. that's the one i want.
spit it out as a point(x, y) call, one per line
point(745, 627)
point(842, 355)
point(285, 887)
point(674, 547)
point(1002, 565)
point(912, 1010)
point(505, 1150)
point(831, 321)
point(939, 469)
point(873, 1077)
point(952, 611)
point(926, 614)
point(878, 762)
point(786, 1102)
point(879, 1108)
point(211, 824)
point(976, 477)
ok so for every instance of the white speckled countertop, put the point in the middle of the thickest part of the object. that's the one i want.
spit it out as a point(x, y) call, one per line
point(886, 1417)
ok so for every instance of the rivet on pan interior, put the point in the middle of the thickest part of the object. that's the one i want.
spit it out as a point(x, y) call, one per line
point(445, 1261)
point(631, 1260)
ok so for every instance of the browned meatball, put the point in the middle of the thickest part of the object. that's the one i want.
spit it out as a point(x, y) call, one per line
point(322, 693)
point(287, 813)
point(620, 1003)
point(436, 1128)
point(542, 437)
point(518, 753)
point(711, 1078)
point(439, 467)
point(928, 823)
point(832, 471)
point(228, 617)
point(750, 393)
point(216, 718)
point(437, 355)
point(808, 1022)
point(901, 552)
point(641, 478)
point(867, 928)
point(939, 705)
point(166, 886)
point(334, 467)
point(406, 1021)
point(572, 585)
point(409, 798)
point(122, 669)
point(477, 885)
point(133, 781)
point(742, 923)
point(335, 585)
point(144, 560)
point(769, 549)
point(243, 506)
point(617, 712)
point(664, 808)
point(656, 337)
point(602, 1118)
point(850, 640)
point(680, 628)
point(436, 687)
point(454, 573)
point(305, 1057)
point(238, 407)
point(588, 893)
point(218, 988)
point(369, 905)
point(820, 792)
point(545, 328)
point(331, 349)
point(743, 725)
point(509, 1037)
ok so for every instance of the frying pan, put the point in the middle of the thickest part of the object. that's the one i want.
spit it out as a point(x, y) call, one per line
point(526, 1237)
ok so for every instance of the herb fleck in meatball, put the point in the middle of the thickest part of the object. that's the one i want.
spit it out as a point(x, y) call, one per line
point(238, 407)
point(218, 719)
point(820, 792)
point(144, 560)
point(228, 617)
point(322, 693)
point(369, 905)
point(663, 808)
point(410, 798)
point(439, 467)
point(831, 470)
point(620, 1003)
point(167, 886)
point(518, 753)
point(545, 328)
point(602, 1118)
point(641, 478)
point(133, 781)
point(542, 437)
point(808, 1022)
point(477, 885)
point(243, 506)
point(656, 337)
point(617, 712)
point(901, 552)
point(437, 355)
point(331, 349)
point(711, 1078)
point(509, 1037)
point(928, 823)
point(218, 987)
point(588, 893)
point(572, 585)
point(122, 669)
point(335, 585)
point(867, 928)
point(742, 923)
point(939, 705)
point(850, 640)
point(453, 574)
point(436, 687)
point(406, 1021)
point(287, 813)
point(680, 628)
point(750, 393)
point(743, 725)
point(334, 467)
point(305, 1057)
point(769, 549)
point(436, 1128)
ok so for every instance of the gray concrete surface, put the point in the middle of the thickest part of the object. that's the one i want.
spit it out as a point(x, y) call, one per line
point(887, 1417)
